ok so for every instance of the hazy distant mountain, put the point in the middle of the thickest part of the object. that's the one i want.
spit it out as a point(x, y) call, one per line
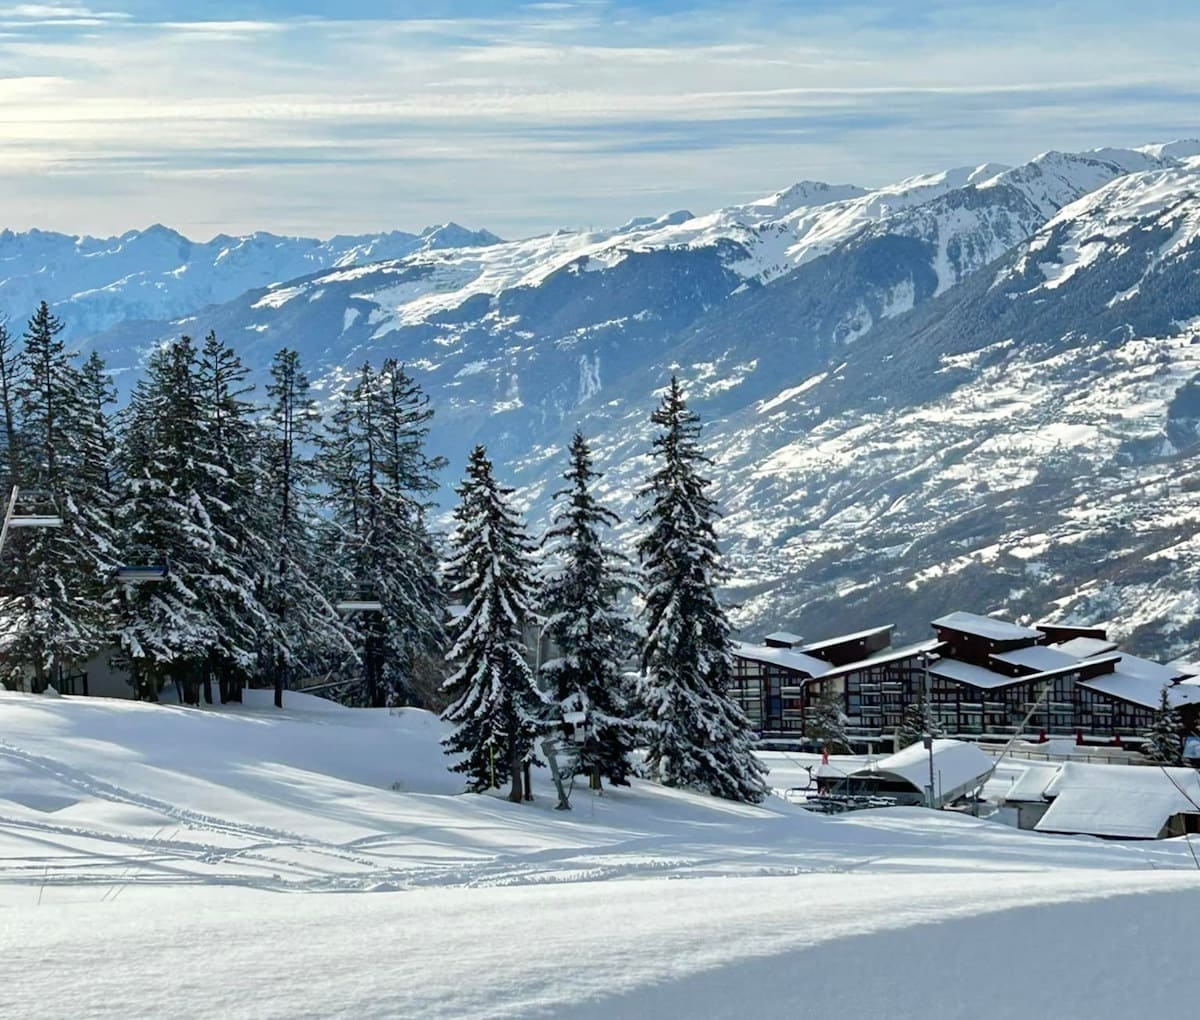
point(157, 273)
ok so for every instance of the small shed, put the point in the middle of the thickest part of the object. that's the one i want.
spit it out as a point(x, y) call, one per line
point(1122, 801)
point(1028, 795)
point(959, 768)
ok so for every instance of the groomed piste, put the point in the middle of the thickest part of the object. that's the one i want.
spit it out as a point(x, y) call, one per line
point(190, 844)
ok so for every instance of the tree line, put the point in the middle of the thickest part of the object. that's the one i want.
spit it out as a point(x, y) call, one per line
point(299, 545)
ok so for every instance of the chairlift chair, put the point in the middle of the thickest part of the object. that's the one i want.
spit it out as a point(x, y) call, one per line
point(359, 606)
point(143, 574)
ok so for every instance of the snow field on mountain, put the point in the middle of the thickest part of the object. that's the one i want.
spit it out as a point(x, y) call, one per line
point(188, 843)
point(1025, 412)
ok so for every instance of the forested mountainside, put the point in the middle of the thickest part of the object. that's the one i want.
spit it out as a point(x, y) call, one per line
point(971, 389)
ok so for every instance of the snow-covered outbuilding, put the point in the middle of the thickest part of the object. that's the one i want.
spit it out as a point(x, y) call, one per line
point(1122, 801)
point(958, 769)
point(1028, 795)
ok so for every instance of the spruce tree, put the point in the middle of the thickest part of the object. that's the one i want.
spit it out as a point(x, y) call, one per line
point(380, 480)
point(581, 595)
point(60, 616)
point(14, 567)
point(165, 629)
point(827, 724)
point(227, 471)
point(497, 704)
point(306, 630)
point(701, 739)
point(1164, 738)
point(916, 721)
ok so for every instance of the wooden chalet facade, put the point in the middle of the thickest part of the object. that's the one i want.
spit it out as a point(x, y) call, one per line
point(982, 675)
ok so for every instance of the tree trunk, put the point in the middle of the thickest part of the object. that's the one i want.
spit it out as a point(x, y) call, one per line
point(279, 669)
point(517, 793)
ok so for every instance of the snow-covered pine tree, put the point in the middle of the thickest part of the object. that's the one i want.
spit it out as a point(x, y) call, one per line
point(497, 704)
point(379, 479)
point(60, 617)
point(227, 473)
point(414, 600)
point(306, 630)
point(581, 593)
point(11, 368)
point(916, 720)
point(701, 738)
point(1164, 738)
point(827, 724)
point(96, 488)
point(165, 629)
point(14, 568)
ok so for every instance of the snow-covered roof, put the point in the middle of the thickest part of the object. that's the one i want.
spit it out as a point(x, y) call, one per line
point(784, 637)
point(1031, 786)
point(985, 627)
point(1037, 657)
point(785, 657)
point(1140, 690)
point(1085, 647)
point(976, 676)
point(886, 656)
point(844, 639)
point(1130, 801)
point(957, 767)
point(1145, 669)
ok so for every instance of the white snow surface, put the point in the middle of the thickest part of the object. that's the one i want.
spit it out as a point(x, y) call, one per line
point(1102, 219)
point(166, 861)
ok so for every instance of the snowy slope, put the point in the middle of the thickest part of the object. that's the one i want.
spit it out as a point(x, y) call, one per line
point(1026, 443)
point(361, 799)
point(518, 339)
point(145, 848)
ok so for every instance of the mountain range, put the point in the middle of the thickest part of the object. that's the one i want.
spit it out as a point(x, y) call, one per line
point(974, 389)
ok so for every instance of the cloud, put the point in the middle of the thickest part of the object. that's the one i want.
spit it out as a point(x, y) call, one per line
point(552, 114)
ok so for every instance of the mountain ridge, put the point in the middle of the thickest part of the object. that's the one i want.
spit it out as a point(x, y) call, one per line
point(897, 384)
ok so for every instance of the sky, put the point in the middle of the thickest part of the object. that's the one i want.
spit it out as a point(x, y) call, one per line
point(317, 118)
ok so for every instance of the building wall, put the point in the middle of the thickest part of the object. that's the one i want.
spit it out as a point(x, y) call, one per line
point(778, 702)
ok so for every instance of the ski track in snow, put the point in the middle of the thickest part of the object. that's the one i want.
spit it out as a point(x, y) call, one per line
point(110, 843)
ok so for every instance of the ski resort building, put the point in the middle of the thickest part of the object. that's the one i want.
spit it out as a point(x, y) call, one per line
point(981, 676)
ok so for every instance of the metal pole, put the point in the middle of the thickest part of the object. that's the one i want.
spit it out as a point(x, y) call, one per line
point(12, 502)
point(929, 746)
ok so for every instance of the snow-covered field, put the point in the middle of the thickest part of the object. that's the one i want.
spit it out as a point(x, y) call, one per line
point(164, 861)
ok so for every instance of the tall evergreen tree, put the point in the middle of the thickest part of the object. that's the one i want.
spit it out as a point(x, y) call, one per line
point(581, 599)
point(702, 738)
point(1164, 738)
point(827, 724)
point(165, 629)
point(227, 469)
point(497, 704)
point(306, 630)
point(60, 616)
point(379, 479)
point(14, 566)
point(11, 368)
point(917, 720)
